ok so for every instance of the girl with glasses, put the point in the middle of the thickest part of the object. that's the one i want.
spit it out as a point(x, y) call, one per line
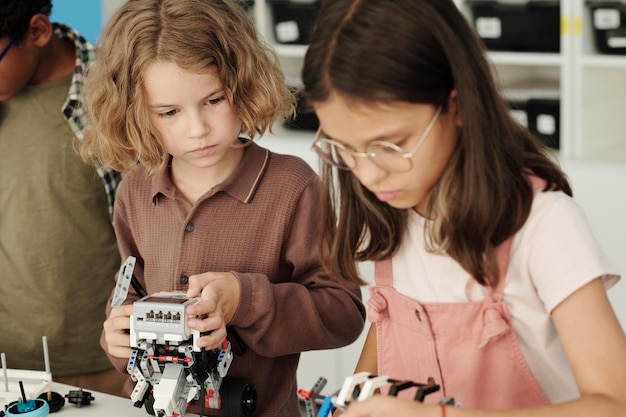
point(488, 278)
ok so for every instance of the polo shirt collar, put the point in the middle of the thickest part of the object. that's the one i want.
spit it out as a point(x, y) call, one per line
point(241, 184)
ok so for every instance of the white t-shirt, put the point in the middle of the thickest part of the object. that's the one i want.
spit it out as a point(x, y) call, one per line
point(552, 256)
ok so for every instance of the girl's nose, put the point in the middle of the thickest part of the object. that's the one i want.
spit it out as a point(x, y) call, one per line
point(368, 172)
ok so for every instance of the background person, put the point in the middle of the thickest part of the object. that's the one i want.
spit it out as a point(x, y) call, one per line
point(57, 245)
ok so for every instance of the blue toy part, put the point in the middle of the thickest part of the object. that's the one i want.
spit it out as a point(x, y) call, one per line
point(327, 407)
point(29, 408)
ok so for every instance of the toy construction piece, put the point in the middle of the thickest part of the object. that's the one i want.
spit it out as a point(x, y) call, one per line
point(309, 398)
point(55, 400)
point(359, 387)
point(80, 397)
point(125, 280)
point(171, 370)
point(27, 408)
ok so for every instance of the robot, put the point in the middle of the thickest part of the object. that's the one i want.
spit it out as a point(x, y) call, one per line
point(359, 387)
point(169, 369)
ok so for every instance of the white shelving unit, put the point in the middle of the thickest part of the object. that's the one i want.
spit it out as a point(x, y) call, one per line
point(600, 94)
point(592, 90)
point(591, 85)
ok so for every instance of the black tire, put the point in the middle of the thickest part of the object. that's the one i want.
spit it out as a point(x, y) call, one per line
point(149, 403)
point(238, 398)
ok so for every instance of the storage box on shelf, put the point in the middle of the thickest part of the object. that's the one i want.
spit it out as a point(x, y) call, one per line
point(608, 19)
point(246, 4)
point(286, 26)
point(305, 118)
point(526, 47)
point(537, 107)
point(526, 26)
point(293, 20)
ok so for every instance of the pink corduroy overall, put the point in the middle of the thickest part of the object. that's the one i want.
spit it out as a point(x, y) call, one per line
point(468, 348)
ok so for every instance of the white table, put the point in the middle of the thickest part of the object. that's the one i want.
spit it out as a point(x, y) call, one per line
point(103, 405)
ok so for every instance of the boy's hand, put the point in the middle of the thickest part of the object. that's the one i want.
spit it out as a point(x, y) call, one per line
point(220, 294)
point(116, 331)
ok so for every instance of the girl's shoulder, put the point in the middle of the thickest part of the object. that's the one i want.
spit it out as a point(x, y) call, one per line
point(554, 218)
point(556, 247)
point(551, 208)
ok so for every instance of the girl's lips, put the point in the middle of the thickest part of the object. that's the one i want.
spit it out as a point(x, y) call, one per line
point(386, 196)
point(203, 151)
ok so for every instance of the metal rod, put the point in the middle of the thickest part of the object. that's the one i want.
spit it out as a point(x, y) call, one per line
point(4, 371)
point(46, 357)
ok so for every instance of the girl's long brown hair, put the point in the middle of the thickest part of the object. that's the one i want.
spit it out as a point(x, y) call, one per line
point(197, 35)
point(418, 51)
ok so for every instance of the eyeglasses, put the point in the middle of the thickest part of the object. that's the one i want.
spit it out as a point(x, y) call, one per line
point(386, 155)
point(9, 45)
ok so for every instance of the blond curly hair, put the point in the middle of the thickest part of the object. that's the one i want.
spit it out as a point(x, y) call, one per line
point(196, 35)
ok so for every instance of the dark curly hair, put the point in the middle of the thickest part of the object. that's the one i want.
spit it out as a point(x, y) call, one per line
point(15, 14)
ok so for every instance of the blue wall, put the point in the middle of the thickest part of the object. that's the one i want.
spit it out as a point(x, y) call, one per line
point(83, 15)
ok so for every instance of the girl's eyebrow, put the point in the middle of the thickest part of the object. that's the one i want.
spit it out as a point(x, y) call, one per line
point(219, 91)
point(380, 138)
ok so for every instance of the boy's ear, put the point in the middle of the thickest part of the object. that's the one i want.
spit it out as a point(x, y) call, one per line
point(454, 109)
point(40, 30)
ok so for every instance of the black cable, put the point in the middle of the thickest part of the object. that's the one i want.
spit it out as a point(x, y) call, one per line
point(137, 286)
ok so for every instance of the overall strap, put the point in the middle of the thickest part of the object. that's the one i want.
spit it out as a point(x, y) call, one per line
point(503, 255)
point(382, 272)
point(503, 251)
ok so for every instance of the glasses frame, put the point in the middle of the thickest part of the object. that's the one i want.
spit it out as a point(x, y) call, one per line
point(369, 154)
point(12, 42)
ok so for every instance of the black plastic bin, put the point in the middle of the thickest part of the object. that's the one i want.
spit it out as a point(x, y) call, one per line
point(293, 20)
point(526, 26)
point(305, 118)
point(246, 4)
point(542, 116)
point(608, 19)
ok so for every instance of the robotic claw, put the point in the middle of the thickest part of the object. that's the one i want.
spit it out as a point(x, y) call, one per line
point(169, 369)
point(359, 387)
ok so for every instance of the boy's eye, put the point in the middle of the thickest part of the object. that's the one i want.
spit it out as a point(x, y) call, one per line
point(214, 101)
point(168, 113)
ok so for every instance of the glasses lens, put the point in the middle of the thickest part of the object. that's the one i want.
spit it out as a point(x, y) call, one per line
point(389, 158)
point(334, 154)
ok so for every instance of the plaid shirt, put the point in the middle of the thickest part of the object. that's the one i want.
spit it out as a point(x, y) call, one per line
point(72, 108)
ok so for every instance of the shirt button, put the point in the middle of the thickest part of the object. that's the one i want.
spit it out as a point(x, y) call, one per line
point(184, 279)
point(189, 228)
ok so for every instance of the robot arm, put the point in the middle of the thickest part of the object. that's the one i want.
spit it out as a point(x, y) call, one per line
point(359, 387)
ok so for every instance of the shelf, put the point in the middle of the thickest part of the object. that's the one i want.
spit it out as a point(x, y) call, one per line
point(290, 141)
point(604, 61)
point(615, 156)
point(525, 58)
point(280, 132)
point(290, 51)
